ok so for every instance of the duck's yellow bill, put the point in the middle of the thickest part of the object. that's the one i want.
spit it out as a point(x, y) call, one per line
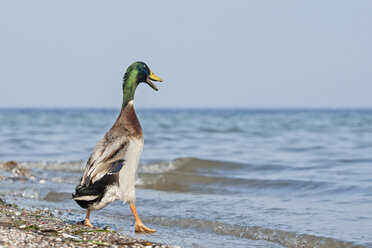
point(154, 78)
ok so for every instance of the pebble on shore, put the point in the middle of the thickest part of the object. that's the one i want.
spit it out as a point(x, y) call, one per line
point(25, 228)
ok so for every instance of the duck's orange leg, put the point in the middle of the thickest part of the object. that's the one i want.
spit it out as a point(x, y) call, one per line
point(87, 221)
point(139, 226)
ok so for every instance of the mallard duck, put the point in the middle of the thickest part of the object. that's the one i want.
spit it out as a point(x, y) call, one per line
point(111, 168)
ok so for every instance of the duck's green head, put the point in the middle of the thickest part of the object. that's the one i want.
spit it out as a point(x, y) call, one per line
point(137, 73)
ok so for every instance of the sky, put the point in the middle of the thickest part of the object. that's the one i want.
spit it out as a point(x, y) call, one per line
point(210, 54)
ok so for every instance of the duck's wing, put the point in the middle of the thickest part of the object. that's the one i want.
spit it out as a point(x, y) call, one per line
point(107, 157)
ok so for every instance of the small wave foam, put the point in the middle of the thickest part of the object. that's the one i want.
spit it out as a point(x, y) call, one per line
point(191, 165)
point(158, 167)
point(180, 164)
point(285, 238)
point(70, 166)
point(38, 193)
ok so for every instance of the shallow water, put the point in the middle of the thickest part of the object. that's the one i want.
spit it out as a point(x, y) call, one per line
point(257, 178)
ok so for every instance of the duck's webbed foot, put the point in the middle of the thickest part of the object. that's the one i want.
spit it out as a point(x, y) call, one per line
point(139, 226)
point(87, 221)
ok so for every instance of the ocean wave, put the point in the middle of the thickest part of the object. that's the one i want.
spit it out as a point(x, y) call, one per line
point(180, 164)
point(190, 165)
point(181, 182)
point(184, 175)
point(194, 175)
point(208, 176)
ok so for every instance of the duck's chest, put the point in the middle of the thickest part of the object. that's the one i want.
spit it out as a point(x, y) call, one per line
point(131, 127)
point(133, 153)
point(131, 160)
point(131, 122)
point(128, 172)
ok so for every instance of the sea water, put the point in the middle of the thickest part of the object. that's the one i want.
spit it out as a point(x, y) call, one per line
point(210, 177)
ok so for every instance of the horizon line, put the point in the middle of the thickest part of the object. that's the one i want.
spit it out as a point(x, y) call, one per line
point(188, 108)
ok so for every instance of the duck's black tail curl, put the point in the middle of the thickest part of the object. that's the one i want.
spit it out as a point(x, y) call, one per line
point(87, 195)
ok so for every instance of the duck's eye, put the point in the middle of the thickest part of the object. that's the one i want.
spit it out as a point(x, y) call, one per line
point(144, 66)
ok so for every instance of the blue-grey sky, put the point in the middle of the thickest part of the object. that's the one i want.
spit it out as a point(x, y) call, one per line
point(209, 53)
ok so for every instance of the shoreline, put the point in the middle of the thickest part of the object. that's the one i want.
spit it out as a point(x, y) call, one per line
point(40, 228)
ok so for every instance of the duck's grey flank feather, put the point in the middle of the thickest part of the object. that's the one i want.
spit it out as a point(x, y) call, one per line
point(113, 151)
point(112, 146)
